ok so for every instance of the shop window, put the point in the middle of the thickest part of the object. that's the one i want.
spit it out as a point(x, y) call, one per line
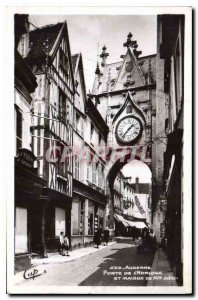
point(21, 239)
point(59, 221)
point(90, 218)
point(81, 217)
point(75, 218)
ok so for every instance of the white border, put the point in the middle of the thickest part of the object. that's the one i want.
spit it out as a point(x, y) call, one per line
point(99, 10)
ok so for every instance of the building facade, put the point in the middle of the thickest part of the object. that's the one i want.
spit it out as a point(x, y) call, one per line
point(52, 132)
point(132, 206)
point(28, 185)
point(171, 57)
point(89, 195)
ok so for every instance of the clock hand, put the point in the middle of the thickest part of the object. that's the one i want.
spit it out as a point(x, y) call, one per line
point(127, 130)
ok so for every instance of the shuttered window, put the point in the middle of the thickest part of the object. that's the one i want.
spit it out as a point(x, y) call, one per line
point(19, 122)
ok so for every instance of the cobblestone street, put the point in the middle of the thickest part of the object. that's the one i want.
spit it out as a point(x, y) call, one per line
point(94, 269)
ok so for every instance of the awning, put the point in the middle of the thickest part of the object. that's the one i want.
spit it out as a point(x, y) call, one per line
point(121, 219)
point(139, 225)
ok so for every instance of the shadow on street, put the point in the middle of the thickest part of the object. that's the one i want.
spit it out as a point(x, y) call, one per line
point(122, 258)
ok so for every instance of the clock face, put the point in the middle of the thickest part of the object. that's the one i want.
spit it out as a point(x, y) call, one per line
point(128, 129)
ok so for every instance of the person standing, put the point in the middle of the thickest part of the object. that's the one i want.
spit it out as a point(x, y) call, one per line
point(66, 245)
point(61, 242)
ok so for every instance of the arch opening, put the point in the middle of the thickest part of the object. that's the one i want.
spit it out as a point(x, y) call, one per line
point(130, 193)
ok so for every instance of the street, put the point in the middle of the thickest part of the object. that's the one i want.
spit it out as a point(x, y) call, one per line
point(105, 267)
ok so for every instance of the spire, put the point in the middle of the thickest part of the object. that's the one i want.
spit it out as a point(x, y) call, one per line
point(98, 74)
point(104, 56)
point(129, 43)
point(97, 71)
point(132, 44)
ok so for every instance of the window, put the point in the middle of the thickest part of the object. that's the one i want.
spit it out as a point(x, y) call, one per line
point(19, 123)
point(89, 172)
point(94, 173)
point(62, 165)
point(75, 217)
point(101, 176)
point(63, 61)
point(62, 106)
point(77, 169)
point(90, 218)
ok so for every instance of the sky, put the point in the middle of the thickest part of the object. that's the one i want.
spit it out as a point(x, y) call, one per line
point(139, 169)
point(86, 32)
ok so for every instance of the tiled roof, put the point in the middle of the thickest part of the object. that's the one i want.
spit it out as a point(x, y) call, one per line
point(39, 36)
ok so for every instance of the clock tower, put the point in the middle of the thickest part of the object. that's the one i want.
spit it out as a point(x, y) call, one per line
point(125, 93)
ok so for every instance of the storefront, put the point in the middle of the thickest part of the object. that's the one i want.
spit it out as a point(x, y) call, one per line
point(56, 219)
point(128, 226)
point(88, 214)
point(28, 187)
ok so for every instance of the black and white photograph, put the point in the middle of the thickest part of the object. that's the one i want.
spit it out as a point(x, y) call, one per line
point(101, 199)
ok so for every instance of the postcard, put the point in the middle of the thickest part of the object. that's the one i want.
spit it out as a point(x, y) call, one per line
point(99, 190)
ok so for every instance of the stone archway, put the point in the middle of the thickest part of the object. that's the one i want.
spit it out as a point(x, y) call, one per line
point(141, 153)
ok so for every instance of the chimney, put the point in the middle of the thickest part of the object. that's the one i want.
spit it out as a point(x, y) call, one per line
point(137, 185)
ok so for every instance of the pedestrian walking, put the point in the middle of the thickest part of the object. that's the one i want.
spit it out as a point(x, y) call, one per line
point(97, 238)
point(61, 242)
point(106, 236)
point(152, 239)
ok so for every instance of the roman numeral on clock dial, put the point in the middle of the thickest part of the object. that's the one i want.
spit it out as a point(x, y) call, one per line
point(128, 129)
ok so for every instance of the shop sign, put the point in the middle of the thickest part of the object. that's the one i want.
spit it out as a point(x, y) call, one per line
point(26, 158)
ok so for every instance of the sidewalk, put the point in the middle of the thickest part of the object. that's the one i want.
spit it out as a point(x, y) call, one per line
point(161, 264)
point(56, 258)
